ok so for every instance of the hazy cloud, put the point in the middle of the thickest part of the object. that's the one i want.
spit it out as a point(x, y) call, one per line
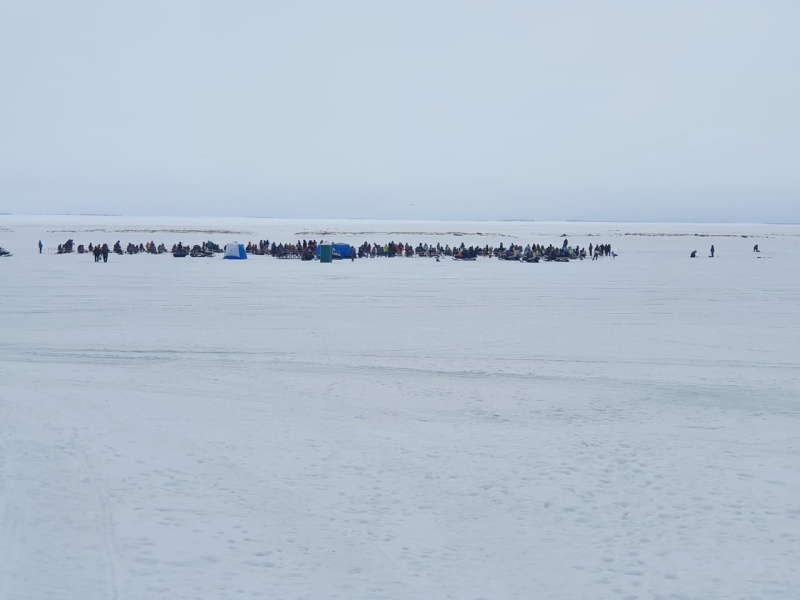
point(540, 110)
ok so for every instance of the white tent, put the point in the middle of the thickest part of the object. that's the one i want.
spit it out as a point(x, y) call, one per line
point(235, 251)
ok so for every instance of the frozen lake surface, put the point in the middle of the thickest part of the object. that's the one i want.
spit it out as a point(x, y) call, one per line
point(400, 428)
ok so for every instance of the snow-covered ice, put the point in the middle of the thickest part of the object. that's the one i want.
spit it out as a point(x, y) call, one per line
point(400, 428)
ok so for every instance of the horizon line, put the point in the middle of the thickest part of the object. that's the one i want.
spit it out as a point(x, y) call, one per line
point(473, 220)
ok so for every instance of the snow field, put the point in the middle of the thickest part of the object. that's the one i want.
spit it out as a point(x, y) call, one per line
point(200, 428)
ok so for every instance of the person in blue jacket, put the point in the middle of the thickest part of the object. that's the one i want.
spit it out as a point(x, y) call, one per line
point(40, 246)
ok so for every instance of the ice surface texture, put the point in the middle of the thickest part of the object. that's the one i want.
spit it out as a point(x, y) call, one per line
point(399, 428)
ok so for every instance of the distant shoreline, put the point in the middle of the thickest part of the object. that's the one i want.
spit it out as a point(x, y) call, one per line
point(405, 220)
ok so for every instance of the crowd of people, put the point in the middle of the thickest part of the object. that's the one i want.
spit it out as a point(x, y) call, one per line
point(307, 250)
point(531, 252)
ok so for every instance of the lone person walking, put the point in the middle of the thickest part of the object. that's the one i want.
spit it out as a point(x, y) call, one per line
point(712, 250)
point(40, 246)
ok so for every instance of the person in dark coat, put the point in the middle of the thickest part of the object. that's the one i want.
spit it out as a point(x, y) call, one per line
point(105, 253)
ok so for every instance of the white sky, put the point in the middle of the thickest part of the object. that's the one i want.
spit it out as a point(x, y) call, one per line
point(630, 110)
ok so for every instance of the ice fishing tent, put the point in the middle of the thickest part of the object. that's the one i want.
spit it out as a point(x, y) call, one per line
point(342, 250)
point(338, 250)
point(235, 251)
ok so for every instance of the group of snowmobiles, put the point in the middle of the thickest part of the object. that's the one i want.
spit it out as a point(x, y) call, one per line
point(205, 250)
point(528, 256)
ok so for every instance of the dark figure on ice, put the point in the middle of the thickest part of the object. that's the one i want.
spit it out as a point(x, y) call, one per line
point(694, 254)
point(755, 248)
point(712, 250)
point(40, 246)
point(105, 253)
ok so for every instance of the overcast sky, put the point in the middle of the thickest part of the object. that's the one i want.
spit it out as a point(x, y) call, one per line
point(629, 110)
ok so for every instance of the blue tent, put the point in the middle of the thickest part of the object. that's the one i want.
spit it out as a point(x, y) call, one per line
point(339, 250)
point(235, 252)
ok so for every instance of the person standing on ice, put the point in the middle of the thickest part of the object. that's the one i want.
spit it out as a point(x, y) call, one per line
point(712, 250)
point(40, 246)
